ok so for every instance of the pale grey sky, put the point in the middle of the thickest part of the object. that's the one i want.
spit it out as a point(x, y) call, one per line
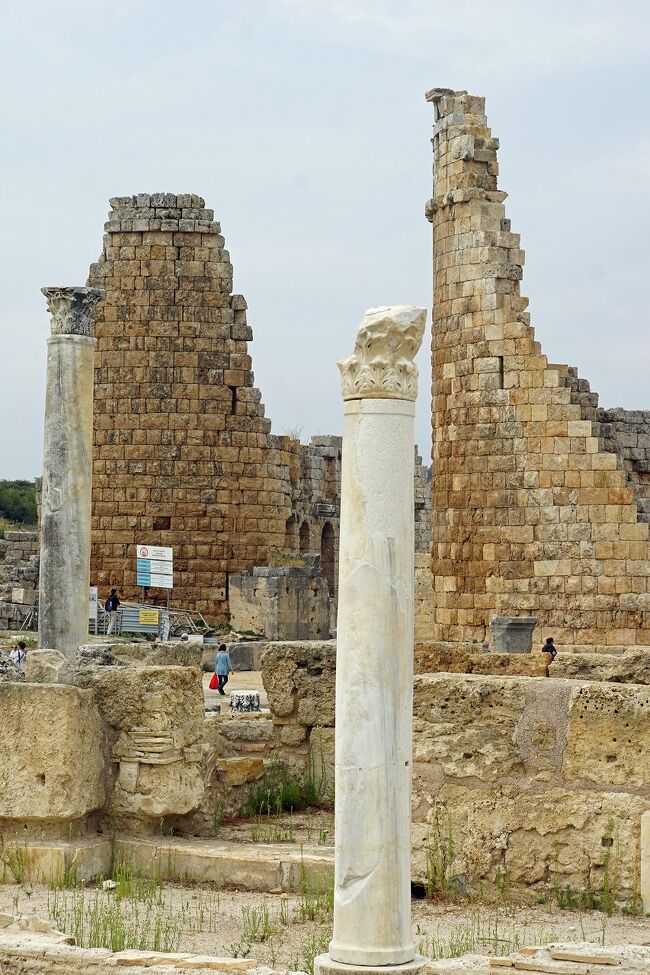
point(303, 124)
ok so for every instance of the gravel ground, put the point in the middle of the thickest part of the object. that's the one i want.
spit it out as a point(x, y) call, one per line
point(277, 930)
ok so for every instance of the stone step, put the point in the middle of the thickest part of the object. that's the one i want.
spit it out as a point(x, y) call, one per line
point(262, 867)
point(246, 866)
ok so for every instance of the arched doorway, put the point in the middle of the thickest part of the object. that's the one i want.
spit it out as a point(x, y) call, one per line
point(327, 556)
point(304, 538)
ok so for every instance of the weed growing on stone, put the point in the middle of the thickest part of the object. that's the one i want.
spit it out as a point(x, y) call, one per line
point(278, 791)
point(16, 862)
point(218, 815)
point(439, 854)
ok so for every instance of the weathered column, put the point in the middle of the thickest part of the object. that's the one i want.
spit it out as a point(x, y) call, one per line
point(374, 665)
point(67, 458)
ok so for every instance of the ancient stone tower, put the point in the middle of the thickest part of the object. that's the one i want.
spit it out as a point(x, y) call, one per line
point(538, 500)
point(182, 451)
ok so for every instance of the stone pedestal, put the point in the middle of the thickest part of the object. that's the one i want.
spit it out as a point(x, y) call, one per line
point(512, 634)
point(374, 673)
point(67, 459)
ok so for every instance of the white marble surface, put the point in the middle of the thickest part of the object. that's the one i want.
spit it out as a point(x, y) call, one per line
point(374, 676)
point(67, 478)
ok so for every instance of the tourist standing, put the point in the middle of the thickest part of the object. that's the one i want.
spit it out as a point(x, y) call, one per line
point(222, 666)
point(111, 606)
point(549, 647)
point(18, 656)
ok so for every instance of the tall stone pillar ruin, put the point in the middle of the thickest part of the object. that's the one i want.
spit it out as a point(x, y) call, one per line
point(183, 455)
point(67, 471)
point(535, 510)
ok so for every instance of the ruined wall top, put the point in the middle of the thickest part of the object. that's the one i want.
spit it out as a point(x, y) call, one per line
point(161, 211)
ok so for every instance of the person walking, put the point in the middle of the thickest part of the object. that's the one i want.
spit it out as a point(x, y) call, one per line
point(222, 667)
point(111, 606)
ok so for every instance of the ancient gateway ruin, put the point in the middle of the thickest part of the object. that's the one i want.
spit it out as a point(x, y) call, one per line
point(541, 501)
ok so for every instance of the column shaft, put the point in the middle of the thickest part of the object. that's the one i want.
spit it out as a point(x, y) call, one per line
point(374, 686)
point(65, 510)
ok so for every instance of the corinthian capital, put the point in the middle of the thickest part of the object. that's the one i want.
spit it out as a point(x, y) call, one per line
point(381, 365)
point(72, 309)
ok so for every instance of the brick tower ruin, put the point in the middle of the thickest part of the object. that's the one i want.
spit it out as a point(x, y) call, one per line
point(539, 499)
point(183, 455)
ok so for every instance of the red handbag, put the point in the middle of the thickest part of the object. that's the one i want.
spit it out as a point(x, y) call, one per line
point(214, 683)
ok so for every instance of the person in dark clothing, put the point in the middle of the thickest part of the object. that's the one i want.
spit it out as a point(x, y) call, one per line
point(549, 647)
point(111, 606)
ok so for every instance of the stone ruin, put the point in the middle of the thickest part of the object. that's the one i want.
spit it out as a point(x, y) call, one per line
point(536, 768)
point(540, 499)
point(183, 453)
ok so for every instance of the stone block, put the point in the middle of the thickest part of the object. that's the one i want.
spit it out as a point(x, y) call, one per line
point(55, 776)
point(608, 734)
point(47, 667)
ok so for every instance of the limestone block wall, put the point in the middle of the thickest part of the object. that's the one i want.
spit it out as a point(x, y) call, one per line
point(533, 514)
point(541, 781)
point(183, 455)
point(505, 765)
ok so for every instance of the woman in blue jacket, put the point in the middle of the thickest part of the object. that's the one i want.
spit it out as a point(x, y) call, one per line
point(222, 667)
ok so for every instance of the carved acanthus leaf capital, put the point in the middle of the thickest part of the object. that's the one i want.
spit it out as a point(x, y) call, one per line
point(72, 309)
point(381, 365)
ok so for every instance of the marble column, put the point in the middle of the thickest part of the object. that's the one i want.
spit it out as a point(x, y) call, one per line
point(374, 664)
point(67, 471)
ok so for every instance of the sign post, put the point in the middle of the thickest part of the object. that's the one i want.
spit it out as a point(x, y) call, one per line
point(93, 602)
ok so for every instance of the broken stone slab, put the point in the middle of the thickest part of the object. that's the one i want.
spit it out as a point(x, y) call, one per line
point(585, 957)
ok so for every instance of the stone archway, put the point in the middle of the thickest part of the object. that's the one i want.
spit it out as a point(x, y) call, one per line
point(327, 556)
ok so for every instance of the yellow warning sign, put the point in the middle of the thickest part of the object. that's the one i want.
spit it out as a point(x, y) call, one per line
point(149, 617)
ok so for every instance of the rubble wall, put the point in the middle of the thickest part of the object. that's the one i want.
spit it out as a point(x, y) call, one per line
point(534, 509)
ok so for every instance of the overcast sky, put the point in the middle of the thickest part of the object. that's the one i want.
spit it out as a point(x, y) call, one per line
point(303, 124)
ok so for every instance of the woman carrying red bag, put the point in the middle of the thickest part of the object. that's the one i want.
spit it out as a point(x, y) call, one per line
point(222, 668)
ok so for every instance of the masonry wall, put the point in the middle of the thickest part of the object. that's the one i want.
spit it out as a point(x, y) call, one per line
point(534, 513)
point(182, 451)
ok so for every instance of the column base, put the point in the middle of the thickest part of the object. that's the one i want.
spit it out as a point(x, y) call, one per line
point(325, 965)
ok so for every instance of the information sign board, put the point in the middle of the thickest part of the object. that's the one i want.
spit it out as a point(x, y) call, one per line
point(155, 566)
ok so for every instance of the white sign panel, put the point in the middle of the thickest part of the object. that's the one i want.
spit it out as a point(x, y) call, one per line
point(93, 600)
point(155, 566)
point(157, 552)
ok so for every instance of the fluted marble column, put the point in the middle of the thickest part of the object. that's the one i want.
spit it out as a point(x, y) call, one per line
point(374, 663)
point(67, 471)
